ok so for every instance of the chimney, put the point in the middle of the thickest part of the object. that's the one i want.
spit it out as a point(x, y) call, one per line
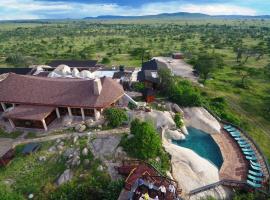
point(97, 86)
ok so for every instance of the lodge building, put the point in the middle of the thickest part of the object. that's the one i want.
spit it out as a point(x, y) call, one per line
point(35, 102)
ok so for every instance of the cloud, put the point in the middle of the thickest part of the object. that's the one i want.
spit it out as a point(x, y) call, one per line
point(33, 9)
point(218, 9)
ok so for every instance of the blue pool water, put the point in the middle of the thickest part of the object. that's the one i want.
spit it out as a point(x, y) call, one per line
point(203, 144)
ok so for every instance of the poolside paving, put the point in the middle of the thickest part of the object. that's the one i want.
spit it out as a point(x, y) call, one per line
point(234, 166)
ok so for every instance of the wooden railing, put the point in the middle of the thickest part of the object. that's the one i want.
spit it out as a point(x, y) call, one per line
point(225, 182)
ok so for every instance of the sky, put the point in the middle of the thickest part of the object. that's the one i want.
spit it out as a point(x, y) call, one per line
point(61, 9)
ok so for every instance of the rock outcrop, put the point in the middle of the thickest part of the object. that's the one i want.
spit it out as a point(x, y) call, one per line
point(159, 118)
point(192, 171)
point(200, 118)
point(174, 135)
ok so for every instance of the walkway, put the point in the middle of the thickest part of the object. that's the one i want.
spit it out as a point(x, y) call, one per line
point(104, 133)
point(234, 166)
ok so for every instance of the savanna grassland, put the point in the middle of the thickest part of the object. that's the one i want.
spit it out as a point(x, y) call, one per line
point(243, 80)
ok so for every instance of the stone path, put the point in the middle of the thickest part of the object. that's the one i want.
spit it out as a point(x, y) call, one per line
point(99, 134)
point(5, 145)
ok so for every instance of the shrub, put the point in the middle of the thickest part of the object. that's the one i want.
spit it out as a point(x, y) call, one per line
point(145, 142)
point(105, 60)
point(115, 116)
point(138, 87)
point(6, 194)
point(178, 120)
point(179, 91)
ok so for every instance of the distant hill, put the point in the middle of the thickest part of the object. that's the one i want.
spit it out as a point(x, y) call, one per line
point(179, 15)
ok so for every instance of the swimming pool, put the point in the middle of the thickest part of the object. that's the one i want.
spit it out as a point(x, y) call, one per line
point(203, 144)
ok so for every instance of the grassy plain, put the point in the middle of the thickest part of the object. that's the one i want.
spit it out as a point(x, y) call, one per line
point(121, 43)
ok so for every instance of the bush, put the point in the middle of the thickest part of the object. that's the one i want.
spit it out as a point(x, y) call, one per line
point(105, 60)
point(115, 116)
point(145, 143)
point(178, 120)
point(138, 87)
point(219, 107)
point(179, 91)
point(6, 194)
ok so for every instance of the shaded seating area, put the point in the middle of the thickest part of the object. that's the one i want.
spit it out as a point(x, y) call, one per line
point(255, 175)
point(28, 116)
point(145, 182)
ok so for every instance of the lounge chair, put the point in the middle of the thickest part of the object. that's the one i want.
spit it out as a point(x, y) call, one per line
point(227, 126)
point(244, 145)
point(255, 168)
point(234, 132)
point(242, 142)
point(254, 178)
point(247, 149)
point(260, 174)
point(254, 184)
point(239, 138)
point(252, 157)
point(231, 129)
point(249, 153)
point(235, 135)
point(255, 164)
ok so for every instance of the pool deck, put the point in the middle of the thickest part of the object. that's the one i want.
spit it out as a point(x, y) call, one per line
point(234, 166)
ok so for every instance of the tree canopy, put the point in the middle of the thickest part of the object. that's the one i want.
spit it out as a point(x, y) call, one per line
point(145, 142)
point(206, 63)
point(115, 116)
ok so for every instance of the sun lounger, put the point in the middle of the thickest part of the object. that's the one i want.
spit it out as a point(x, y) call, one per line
point(260, 174)
point(234, 132)
point(252, 157)
point(235, 135)
point(249, 153)
point(247, 149)
point(244, 145)
point(239, 138)
point(255, 164)
point(230, 129)
point(242, 142)
point(254, 178)
point(255, 168)
point(227, 126)
point(254, 184)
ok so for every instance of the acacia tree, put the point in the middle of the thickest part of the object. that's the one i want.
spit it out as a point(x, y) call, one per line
point(206, 63)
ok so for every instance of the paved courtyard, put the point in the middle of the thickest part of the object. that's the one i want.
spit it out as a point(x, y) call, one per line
point(179, 67)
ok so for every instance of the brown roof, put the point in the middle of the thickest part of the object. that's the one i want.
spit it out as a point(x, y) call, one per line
point(24, 89)
point(28, 112)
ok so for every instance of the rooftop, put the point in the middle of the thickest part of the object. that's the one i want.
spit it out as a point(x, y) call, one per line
point(27, 112)
point(23, 89)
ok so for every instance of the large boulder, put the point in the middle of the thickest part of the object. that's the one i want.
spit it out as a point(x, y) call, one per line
point(174, 135)
point(200, 118)
point(65, 177)
point(192, 171)
point(67, 121)
point(159, 118)
point(85, 151)
point(177, 109)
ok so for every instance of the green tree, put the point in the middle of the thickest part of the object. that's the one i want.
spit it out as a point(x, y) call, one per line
point(105, 60)
point(115, 116)
point(206, 63)
point(145, 143)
